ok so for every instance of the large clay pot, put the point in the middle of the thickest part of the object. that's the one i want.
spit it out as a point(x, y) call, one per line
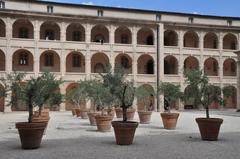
point(103, 122)
point(145, 116)
point(83, 113)
point(78, 112)
point(169, 120)
point(209, 128)
point(130, 113)
point(43, 117)
point(124, 132)
point(31, 134)
point(91, 116)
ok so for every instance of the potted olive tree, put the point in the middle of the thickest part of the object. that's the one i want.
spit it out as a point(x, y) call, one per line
point(145, 95)
point(172, 93)
point(79, 97)
point(35, 93)
point(204, 94)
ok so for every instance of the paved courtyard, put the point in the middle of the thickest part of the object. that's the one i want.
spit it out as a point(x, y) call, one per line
point(70, 138)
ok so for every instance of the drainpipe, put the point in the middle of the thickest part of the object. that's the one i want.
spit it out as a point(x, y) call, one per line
point(158, 97)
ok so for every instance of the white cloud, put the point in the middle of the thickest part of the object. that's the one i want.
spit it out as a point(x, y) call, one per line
point(88, 3)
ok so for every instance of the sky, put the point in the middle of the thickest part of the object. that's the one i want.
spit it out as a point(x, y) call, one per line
point(205, 7)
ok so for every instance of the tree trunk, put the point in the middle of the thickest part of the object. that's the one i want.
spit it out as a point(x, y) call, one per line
point(207, 112)
point(124, 110)
point(30, 107)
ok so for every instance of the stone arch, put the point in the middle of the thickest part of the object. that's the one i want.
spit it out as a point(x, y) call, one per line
point(69, 105)
point(100, 34)
point(140, 104)
point(50, 30)
point(145, 36)
point(191, 39)
point(75, 62)
point(2, 28)
point(145, 64)
point(75, 32)
point(170, 38)
point(191, 63)
point(98, 62)
point(211, 41)
point(229, 67)
point(211, 67)
point(230, 42)
point(23, 28)
point(50, 61)
point(230, 99)
point(123, 35)
point(22, 60)
point(125, 61)
point(170, 65)
point(2, 61)
point(2, 100)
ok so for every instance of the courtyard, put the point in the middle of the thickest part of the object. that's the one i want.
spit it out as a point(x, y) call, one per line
point(71, 137)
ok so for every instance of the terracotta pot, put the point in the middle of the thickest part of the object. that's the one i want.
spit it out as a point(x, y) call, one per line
point(83, 114)
point(169, 120)
point(91, 117)
point(145, 116)
point(119, 112)
point(31, 134)
point(44, 117)
point(78, 112)
point(209, 128)
point(73, 112)
point(130, 113)
point(124, 132)
point(103, 122)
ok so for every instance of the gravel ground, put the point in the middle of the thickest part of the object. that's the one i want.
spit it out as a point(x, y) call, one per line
point(68, 137)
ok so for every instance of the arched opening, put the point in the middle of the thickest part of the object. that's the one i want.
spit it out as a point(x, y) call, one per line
point(170, 38)
point(49, 61)
point(70, 105)
point(100, 34)
point(230, 97)
point(191, 40)
point(145, 64)
point(23, 28)
point(150, 101)
point(229, 67)
point(2, 99)
point(125, 62)
point(2, 29)
point(22, 61)
point(230, 42)
point(123, 35)
point(211, 41)
point(145, 36)
point(211, 67)
point(191, 63)
point(75, 62)
point(99, 62)
point(75, 32)
point(170, 65)
point(2, 61)
point(50, 31)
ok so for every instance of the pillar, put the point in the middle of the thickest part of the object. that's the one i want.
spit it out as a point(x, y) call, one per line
point(238, 80)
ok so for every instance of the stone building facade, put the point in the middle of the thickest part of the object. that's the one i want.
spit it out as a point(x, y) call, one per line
point(76, 42)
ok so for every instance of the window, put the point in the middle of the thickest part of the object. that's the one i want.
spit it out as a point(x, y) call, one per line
point(76, 60)
point(124, 62)
point(158, 17)
point(2, 4)
point(23, 59)
point(23, 33)
point(100, 13)
point(48, 59)
point(50, 9)
point(76, 36)
point(215, 66)
point(124, 39)
point(49, 35)
point(233, 67)
point(190, 20)
point(99, 38)
point(150, 40)
point(233, 45)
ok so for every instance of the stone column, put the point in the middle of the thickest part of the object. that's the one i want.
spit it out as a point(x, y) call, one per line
point(62, 106)
point(88, 64)
point(7, 107)
point(8, 47)
point(88, 28)
point(36, 56)
point(238, 80)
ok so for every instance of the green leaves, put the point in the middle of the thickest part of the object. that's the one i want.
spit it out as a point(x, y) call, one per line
point(144, 94)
